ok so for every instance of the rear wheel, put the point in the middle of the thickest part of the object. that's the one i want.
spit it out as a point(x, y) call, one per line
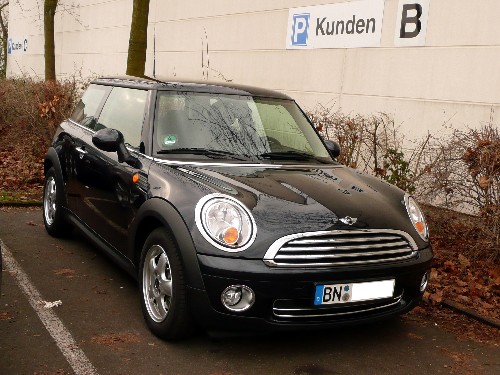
point(53, 216)
point(163, 288)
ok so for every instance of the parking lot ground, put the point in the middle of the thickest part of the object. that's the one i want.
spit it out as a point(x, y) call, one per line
point(101, 312)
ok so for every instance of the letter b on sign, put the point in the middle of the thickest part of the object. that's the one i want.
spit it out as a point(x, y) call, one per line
point(407, 20)
point(300, 29)
point(411, 25)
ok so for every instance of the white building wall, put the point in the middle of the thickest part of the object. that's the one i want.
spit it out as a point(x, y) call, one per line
point(453, 79)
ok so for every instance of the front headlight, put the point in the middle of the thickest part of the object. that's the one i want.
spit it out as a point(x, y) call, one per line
point(225, 222)
point(417, 217)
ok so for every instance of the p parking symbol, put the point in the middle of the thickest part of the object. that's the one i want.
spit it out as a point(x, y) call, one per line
point(300, 29)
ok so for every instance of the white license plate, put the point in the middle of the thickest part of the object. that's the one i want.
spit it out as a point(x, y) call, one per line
point(355, 292)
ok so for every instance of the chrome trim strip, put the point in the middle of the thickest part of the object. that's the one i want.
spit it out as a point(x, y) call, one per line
point(79, 125)
point(398, 300)
point(338, 256)
point(345, 248)
point(276, 246)
point(335, 240)
point(213, 164)
point(272, 263)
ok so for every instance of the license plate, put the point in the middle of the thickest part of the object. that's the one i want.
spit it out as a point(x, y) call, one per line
point(354, 292)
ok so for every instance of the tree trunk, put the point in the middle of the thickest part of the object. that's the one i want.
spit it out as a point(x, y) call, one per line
point(49, 11)
point(4, 31)
point(138, 41)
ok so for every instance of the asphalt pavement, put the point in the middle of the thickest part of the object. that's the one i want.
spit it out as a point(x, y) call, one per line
point(97, 327)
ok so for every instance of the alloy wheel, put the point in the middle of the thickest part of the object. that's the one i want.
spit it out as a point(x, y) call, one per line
point(49, 200)
point(157, 283)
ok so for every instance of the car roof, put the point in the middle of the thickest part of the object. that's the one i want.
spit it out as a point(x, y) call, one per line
point(161, 83)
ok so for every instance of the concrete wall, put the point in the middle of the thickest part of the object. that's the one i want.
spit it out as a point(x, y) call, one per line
point(453, 79)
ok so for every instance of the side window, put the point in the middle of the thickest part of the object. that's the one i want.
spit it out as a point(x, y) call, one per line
point(124, 111)
point(85, 111)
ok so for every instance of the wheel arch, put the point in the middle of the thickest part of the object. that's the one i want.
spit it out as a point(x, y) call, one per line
point(158, 213)
point(52, 160)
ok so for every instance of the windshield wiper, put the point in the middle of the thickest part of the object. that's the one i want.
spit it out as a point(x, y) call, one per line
point(290, 155)
point(202, 151)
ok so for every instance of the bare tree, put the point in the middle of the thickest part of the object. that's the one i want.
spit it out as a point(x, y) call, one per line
point(3, 37)
point(49, 11)
point(138, 41)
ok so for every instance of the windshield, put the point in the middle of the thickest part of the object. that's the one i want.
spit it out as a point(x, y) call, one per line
point(199, 125)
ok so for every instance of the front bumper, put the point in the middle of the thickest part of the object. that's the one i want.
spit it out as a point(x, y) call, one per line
point(284, 297)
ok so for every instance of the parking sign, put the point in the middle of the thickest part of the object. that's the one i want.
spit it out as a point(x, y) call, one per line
point(349, 24)
point(300, 29)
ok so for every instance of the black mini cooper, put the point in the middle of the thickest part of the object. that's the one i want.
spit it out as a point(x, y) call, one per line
point(230, 210)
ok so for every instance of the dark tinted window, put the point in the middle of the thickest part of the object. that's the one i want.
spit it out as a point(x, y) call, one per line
point(85, 111)
point(124, 111)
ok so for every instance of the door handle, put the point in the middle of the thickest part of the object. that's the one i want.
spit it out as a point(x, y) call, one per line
point(81, 151)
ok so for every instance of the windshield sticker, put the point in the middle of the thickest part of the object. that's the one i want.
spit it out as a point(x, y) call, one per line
point(169, 140)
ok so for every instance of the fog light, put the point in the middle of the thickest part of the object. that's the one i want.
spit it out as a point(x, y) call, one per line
point(237, 298)
point(424, 282)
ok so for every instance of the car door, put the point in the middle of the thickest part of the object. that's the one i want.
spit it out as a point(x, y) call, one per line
point(77, 170)
point(110, 193)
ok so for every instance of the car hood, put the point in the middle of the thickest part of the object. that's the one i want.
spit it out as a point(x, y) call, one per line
point(296, 199)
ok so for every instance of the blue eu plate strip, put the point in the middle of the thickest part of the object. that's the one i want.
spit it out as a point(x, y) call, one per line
point(318, 298)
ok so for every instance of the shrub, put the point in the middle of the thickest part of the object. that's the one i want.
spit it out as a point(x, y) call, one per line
point(30, 111)
point(370, 143)
point(29, 103)
point(463, 173)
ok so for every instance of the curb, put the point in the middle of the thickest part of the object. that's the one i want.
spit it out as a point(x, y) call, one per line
point(458, 307)
point(21, 204)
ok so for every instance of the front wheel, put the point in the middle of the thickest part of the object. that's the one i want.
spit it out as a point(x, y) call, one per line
point(53, 215)
point(163, 288)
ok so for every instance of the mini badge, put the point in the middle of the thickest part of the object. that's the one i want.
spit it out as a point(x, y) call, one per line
point(349, 220)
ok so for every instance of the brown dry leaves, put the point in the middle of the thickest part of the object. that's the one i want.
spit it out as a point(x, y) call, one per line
point(116, 341)
point(463, 327)
point(66, 272)
point(459, 273)
point(30, 112)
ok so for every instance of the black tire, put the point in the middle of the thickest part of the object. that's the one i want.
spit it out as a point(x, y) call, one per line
point(163, 288)
point(54, 217)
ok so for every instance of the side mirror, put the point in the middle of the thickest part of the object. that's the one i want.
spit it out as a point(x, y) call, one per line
point(108, 140)
point(333, 148)
point(111, 140)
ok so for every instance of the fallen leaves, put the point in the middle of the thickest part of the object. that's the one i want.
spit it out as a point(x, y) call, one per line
point(33, 224)
point(463, 327)
point(66, 272)
point(458, 274)
point(116, 341)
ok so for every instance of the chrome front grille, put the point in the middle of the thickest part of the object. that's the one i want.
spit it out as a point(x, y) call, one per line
point(341, 248)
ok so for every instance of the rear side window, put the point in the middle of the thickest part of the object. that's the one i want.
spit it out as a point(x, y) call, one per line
point(124, 111)
point(85, 111)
